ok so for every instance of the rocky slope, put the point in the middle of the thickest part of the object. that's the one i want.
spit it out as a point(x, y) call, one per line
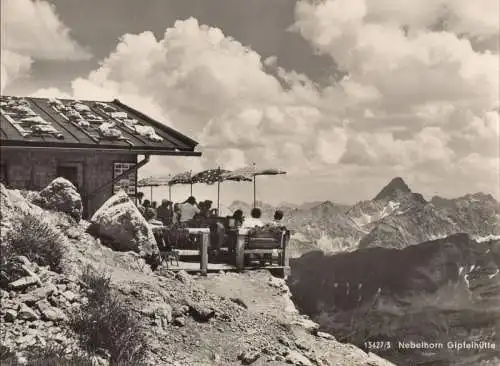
point(224, 319)
point(477, 213)
point(437, 291)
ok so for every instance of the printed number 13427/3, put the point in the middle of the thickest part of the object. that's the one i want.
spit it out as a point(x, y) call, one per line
point(377, 345)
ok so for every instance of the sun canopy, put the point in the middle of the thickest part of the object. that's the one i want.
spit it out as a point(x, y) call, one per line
point(209, 176)
point(181, 178)
point(153, 182)
point(249, 173)
point(269, 172)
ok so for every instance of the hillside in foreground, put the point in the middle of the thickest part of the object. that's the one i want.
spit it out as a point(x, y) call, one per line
point(69, 299)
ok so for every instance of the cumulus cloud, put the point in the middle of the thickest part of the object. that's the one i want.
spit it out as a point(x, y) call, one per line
point(217, 90)
point(31, 30)
point(13, 66)
point(418, 97)
point(420, 70)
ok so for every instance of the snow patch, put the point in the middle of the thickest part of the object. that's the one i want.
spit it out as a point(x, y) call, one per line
point(493, 274)
point(482, 239)
point(299, 237)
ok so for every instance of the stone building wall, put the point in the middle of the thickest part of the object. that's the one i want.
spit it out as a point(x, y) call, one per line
point(33, 170)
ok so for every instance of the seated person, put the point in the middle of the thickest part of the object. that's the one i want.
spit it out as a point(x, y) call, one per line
point(176, 214)
point(149, 212)
point(254, 220)
point(238, 218)
point(205, 207)
point(188, 210)
point(278, 216)
point(164, 212)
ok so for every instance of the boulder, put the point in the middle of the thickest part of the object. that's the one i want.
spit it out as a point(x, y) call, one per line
point(61, 195)
point(119, 224)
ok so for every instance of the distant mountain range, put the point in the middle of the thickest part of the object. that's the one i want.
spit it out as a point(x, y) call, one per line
point(395, 218)
point(436, 291)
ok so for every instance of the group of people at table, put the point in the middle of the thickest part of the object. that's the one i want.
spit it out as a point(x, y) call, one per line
point(169, 216)
point(190, 212)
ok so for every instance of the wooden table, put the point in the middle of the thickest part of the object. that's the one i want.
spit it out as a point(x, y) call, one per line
point(204, 235)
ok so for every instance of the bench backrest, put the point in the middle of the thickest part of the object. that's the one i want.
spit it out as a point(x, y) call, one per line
point(265, 239)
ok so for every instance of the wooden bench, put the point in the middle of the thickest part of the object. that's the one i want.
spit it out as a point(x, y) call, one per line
point(261, 243)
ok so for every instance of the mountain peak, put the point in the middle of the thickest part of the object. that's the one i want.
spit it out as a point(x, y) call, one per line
point(393, 189)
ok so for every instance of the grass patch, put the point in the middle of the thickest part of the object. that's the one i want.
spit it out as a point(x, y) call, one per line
point(35, 238)
point(50, 355)
point(105, 322)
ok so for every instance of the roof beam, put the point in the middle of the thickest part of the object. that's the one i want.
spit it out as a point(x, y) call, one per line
point(104, 150)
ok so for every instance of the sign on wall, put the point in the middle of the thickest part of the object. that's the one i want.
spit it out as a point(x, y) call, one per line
point(128, 182)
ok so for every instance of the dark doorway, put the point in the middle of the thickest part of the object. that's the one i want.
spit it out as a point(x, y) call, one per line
point(70, 173)
point(4, 179)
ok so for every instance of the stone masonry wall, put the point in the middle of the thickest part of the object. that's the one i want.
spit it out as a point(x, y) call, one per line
point(34, 170)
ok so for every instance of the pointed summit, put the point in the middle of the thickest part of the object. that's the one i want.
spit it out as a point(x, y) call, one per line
point(393, 189)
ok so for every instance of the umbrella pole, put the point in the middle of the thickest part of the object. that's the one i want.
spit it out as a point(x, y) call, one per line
point(254, 193)
point(170, 193)
point(218, 198)
point(151, 193)
point(191, 190)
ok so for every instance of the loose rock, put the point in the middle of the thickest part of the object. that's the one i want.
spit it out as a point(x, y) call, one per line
point(325, 335)
point(248, 357)
point(297, 358)
point(24, 282)
point(201, 313)
point(70, 296)
point(37, 295)
point(49, 312)
point(180, 321)
point(26, 313)
point(10, 315)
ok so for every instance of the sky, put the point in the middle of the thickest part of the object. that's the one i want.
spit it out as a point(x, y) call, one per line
point(342, 94)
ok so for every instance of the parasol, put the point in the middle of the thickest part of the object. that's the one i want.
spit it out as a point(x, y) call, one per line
point(249, 173)
point(263, 172)
point(154, 182)
point(182, 178)
point(218, 175)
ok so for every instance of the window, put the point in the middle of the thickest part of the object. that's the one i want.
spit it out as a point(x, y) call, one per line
point(128, 182)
